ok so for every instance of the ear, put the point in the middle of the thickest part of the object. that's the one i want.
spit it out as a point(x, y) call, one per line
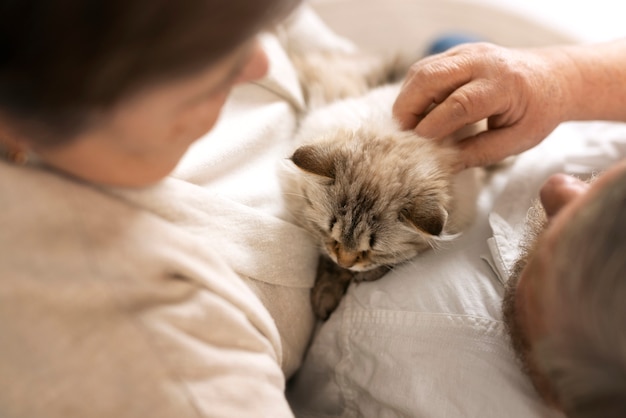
point(316, 160)
point(427, 217)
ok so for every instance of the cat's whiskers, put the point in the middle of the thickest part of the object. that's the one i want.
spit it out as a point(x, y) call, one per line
point(299, 195)
point(440, 242)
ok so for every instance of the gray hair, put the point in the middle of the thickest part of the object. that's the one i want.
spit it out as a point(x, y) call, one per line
point(584, 355)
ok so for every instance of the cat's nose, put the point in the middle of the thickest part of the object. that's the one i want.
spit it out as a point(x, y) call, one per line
point(347, 259)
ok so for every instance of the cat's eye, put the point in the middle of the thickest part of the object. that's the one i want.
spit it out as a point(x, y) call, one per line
point(343, 207)
point(332, 223)
point(372, 240)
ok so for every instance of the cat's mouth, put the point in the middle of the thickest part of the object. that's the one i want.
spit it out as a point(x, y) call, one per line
point(363, 271)
point(352, 260)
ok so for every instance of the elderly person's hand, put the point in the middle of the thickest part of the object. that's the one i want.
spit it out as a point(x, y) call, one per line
point(520, 92)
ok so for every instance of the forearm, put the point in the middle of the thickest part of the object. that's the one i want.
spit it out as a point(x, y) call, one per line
point(593, 80)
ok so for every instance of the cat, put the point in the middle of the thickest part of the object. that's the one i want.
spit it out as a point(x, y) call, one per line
point(328, 76)
point(373, 196)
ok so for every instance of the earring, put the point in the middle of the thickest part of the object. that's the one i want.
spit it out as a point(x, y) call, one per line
point(19, 157)
point(13, 153)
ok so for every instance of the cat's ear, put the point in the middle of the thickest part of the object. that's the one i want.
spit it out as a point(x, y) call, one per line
point(427, 217)
point(316, 160)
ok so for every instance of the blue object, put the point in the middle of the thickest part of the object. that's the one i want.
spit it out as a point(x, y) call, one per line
point(447, 41)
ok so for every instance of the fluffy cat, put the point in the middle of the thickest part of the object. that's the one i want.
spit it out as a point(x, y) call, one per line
point(327, 76)
point(372, 195)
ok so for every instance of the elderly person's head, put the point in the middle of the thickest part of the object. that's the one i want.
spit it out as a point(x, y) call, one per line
point(114, 91)
point(565, 307)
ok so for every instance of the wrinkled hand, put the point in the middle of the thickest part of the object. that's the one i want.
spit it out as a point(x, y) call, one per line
point(518, 91)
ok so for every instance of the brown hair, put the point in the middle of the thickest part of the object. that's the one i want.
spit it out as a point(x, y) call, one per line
point(61, 60)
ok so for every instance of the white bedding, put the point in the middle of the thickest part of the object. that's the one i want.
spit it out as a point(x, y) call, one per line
point(427, 340)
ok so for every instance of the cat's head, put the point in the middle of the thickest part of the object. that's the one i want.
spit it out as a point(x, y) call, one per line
point(374, 203)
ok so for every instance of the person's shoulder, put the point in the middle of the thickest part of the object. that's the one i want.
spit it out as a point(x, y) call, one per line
point(92, 282)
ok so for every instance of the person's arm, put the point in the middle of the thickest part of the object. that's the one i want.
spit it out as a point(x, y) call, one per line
point(599, 92)
point(523, 93)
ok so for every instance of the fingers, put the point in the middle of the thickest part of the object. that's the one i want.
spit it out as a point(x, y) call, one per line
point(468, 104)
point(445, 92)
point(428, 82)
point(511, 89)
point(492, 146)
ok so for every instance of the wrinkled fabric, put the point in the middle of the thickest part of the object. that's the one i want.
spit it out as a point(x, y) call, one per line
point(427, 340)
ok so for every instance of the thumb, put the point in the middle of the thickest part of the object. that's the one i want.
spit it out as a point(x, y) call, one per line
point(490, 147)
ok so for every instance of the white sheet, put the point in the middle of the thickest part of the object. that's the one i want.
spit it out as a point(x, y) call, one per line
point(428, 340)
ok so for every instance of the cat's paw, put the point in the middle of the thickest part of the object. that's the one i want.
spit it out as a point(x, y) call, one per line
point(326, 297)
point(371, 275)
point(330, 285)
